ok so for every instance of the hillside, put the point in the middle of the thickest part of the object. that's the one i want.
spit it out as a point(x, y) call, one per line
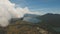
point(47, 25)
point(51, 19)
point(23, 27)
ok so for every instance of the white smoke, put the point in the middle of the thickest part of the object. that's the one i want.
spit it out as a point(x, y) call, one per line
point(8, 11)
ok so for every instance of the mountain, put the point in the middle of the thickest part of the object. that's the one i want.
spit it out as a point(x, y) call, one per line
point(52, 19)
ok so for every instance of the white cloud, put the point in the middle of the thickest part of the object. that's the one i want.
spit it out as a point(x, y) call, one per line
point(8, 11)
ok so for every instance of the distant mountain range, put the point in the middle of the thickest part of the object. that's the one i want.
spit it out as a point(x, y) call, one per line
point(49, 18)
point(52, 19)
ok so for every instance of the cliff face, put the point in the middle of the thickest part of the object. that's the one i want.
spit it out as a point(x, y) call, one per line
point(23, 27)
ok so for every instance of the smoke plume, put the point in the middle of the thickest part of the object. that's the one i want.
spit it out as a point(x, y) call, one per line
point(8, 11)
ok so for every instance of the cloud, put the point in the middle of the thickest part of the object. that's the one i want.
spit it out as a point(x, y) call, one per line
point(8, 11)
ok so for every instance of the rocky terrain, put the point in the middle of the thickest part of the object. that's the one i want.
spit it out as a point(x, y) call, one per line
point(23, 27)
point(47, 25)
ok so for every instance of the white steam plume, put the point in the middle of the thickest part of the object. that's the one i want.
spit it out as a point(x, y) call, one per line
point(8, 11)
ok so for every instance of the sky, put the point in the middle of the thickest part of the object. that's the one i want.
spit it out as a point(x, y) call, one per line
point(39, 5)
point(18, 8)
